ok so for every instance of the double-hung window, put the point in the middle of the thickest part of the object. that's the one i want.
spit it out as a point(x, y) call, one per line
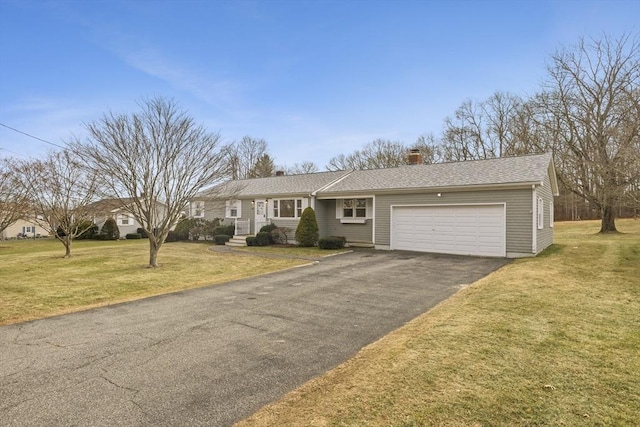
point(356, 210)
point(125, 219)
point(233, 209)
point(540, 213)
point(198, 210)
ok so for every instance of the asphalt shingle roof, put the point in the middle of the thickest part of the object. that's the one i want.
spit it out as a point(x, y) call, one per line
point(505, 170)
point(275, 185)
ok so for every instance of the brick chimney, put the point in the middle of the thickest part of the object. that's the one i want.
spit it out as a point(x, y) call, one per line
point(415, 158)
point(279, 173)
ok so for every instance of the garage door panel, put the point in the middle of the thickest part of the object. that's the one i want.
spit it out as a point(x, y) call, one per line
point(467, 230)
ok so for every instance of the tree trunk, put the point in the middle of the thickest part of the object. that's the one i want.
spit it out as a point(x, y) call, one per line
point(67, 246)
point(608, 220)
point(154, 247)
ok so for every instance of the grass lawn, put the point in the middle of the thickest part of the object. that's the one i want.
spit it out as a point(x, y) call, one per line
point(35, 281)
point(551, 340)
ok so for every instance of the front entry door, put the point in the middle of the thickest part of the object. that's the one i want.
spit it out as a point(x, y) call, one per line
point(261, 215)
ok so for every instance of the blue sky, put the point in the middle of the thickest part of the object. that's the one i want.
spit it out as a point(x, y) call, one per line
point(313, 78)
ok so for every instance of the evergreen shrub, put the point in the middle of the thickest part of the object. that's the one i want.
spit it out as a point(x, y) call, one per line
point(331, 242)
point(307, 231)
point(221, 239)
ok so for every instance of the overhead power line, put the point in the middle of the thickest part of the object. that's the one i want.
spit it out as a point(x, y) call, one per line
point(34, 137)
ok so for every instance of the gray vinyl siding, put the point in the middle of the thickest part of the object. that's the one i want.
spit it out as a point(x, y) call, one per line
point(214, 209)
point(361, 233)
point(323, 211)
point(518, 212)
point(290, 223)
point(545, 235)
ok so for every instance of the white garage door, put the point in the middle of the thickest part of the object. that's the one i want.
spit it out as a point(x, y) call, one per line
point(463, 230)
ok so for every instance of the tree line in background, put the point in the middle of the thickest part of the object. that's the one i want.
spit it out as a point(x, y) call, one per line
point(587, 113)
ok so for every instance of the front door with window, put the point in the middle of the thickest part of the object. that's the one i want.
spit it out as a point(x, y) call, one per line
point(260, 214)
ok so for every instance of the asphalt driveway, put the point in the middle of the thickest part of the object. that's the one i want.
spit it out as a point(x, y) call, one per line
point(212, 356)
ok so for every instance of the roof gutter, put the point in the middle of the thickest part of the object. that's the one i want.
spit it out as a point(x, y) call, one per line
point(459, 188)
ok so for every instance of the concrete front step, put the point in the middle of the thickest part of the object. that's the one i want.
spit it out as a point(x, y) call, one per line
point(237, 241)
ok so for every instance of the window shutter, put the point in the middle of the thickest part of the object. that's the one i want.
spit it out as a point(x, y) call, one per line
point(305, 203)
point(551, 214)
point(339, 211)
point(369, 208)
point(270, 208)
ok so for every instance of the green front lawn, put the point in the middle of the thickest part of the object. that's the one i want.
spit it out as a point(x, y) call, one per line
point(552, 340)
point(35, 281)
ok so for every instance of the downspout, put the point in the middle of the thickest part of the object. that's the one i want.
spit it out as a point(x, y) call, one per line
point(534, 220)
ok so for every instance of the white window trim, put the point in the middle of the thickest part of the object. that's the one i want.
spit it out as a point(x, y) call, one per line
point(353, 219)
point(551, 214)
point(233, 204)
point(303, 203)
point(120, 218)
point(540, 212)
point(198, 206)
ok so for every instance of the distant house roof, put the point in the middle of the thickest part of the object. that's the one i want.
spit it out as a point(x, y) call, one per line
point(106, 206)
point(473, 173)
point(303, 184)
point(504, 171)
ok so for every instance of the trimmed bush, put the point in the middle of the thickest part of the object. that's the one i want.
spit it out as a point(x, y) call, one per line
point(90, 232)
point(60, 232)
point(133, 236)
point(307, 231)
point(277, 236)
point(263, 238)
point(229, 230)
point(172, 236)
point(252, 241)
point(332, 242)
point(181, 231)
point(268, 228)
point(143, 233)
point(221, 239)
point(110, 230)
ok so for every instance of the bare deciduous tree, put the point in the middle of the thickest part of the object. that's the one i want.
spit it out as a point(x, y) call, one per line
point(592, 107)
point(302, 168)
point(157, 160)
point(60, 191)
point(14, 202)
point(243, 156)
point(497, 127)
point(429, 148)
point(378, 154)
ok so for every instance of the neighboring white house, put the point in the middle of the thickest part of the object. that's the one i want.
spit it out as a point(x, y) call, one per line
point(24, 228)
point(116, 209)
point(120, 210)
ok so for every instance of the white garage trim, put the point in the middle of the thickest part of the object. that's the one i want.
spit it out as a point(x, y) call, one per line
point(463, 229)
